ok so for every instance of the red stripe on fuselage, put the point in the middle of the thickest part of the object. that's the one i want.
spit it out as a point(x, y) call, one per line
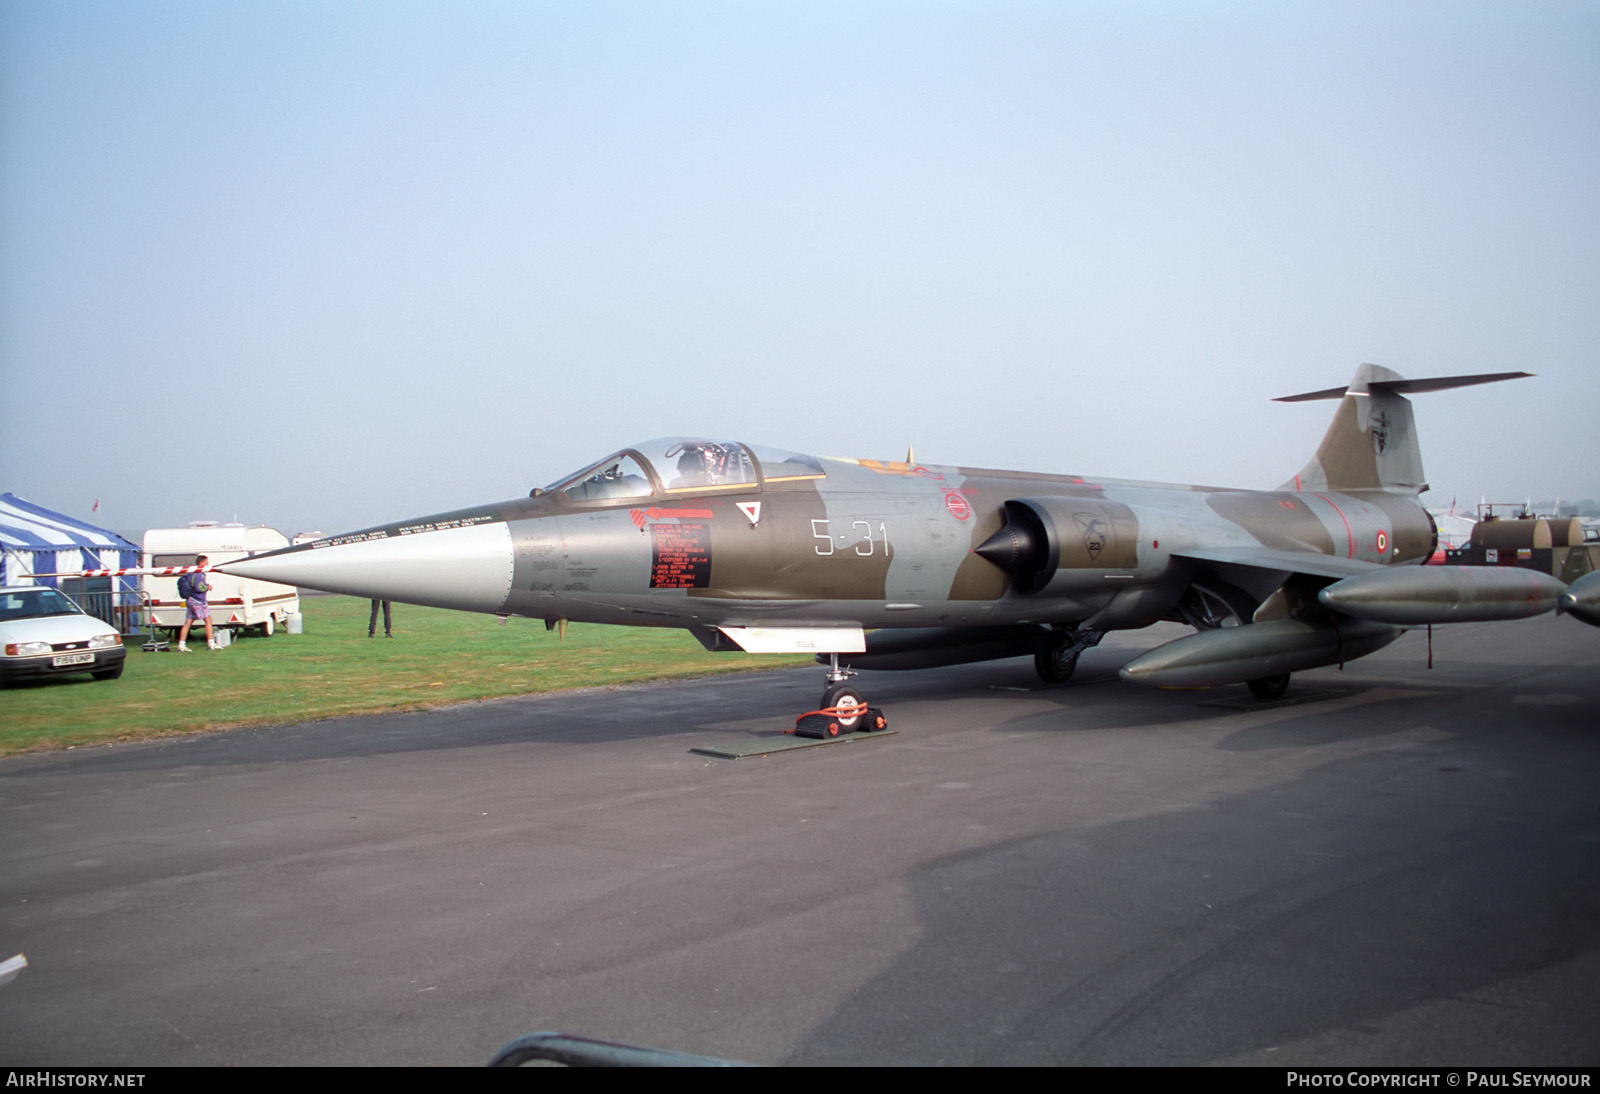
point(1348, 533)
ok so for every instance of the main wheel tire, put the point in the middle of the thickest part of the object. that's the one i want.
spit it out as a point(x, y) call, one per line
point(1052, 662)
point(1269, 687)
point(844, 696)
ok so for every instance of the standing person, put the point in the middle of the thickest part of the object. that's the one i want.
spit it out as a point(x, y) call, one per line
point(193, 589)
point(372, 624)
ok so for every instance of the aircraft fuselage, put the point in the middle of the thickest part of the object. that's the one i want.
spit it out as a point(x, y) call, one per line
point(864, 543)
point(764, 550)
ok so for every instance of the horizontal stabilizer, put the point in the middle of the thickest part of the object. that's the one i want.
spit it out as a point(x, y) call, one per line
point(1372, 441)
point(1406, 387)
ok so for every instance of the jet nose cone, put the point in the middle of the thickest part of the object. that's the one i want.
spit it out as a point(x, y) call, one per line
point(466, 568)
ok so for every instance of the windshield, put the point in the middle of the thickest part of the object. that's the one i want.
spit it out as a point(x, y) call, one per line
point(618, 476)
point(33, 603)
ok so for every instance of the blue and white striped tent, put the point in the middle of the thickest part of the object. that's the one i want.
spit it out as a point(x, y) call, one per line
point(39, 541)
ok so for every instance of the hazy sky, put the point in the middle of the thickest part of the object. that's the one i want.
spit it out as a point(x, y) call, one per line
point(323, 264)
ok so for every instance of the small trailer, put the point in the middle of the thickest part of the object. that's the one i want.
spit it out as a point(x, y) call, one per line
point(236, 602)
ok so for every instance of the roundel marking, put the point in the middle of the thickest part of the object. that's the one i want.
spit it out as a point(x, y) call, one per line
point(1383, 541)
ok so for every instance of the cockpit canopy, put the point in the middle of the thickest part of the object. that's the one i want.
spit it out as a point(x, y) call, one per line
point(673, 465)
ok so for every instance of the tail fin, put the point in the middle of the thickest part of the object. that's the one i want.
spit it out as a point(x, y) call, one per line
point(1372, 443)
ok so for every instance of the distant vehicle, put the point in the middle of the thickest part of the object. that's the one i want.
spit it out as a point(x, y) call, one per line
point(43, 633)
point(237, 602)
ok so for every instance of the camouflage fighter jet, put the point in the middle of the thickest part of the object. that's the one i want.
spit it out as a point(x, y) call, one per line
point(761, 550)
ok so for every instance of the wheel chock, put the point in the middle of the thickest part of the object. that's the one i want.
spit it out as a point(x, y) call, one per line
point(822, 724)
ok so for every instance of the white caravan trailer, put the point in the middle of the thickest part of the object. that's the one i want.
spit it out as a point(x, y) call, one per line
point(235, 601)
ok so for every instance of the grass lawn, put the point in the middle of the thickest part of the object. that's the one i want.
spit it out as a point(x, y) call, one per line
point(436, 657)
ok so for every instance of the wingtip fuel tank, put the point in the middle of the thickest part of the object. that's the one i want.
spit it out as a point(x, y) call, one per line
point(1413, 596)
point(1581, 600)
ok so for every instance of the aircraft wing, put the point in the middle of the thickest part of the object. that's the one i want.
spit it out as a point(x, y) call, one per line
point(1288, 562)
point(1407, 596)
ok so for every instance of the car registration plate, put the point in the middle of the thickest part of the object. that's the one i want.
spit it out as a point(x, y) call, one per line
point(72, 659)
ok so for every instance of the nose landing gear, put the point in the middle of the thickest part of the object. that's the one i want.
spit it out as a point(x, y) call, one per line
point(841, 694)
point(842, 709)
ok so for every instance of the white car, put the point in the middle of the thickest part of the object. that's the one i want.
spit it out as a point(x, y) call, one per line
point(43, 633)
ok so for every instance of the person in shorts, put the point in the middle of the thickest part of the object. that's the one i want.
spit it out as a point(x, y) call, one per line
point(195, 608)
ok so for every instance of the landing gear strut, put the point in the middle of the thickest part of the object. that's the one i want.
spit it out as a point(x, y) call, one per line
point(1205, 609)
point(1057, 658)
point(841, 709)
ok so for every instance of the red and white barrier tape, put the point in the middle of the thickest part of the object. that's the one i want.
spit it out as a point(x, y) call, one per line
point(131, 571)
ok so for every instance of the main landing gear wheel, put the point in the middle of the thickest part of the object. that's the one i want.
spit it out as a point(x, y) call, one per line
point(1269, 687)
point(1057, 658)
point(846, 698)
point(1056, 662)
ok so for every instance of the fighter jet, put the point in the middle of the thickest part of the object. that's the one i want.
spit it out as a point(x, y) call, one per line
point(762, 550)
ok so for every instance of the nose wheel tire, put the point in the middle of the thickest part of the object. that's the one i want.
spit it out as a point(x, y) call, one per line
point(846, 698)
